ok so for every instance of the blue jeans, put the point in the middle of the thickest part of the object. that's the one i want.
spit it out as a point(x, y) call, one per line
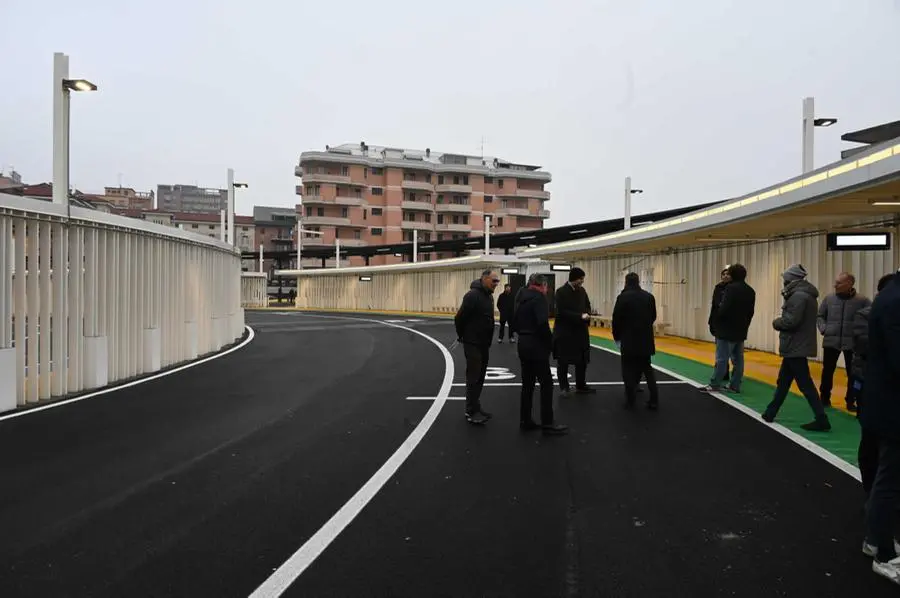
point(728, 350)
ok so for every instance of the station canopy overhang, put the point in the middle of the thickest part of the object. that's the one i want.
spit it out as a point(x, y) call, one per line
point(863, 188)
point(469, 262)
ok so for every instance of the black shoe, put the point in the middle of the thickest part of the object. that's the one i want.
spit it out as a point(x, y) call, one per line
point(768, 418)
point(587, 390)
point(485, 413)
point(528, 425)
point(555, 429)
point(476, 418)
point(565, 391)
point(817, 426)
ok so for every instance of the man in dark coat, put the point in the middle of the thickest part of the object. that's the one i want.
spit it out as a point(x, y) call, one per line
point(531, 322)
point(868, 442)
point(571, 337)
point(475, 331)
point(718, 293)
point(731, 323)
point(506, 307)
point(881, 417)
point(632, 326)
point(797, 343)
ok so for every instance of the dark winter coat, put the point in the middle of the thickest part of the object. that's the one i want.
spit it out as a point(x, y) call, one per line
point(632, 323)
point(835, 319)
point(506, 306)
point(881, 390)
point(860, 342)
point(532, 323)
point(571, 337)
point(718, 292)
point(797, 324)
point(735, 312)
point(475, 316)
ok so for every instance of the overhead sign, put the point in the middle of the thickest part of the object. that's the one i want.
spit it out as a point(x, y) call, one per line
point(365, 278)
point(864, 241)
point(509, 270)
point(561, 267)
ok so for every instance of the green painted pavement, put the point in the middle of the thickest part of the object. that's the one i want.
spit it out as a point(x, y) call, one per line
point(842, 441)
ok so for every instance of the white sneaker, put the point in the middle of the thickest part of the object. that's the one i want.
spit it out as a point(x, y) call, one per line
point(890, 569)
point(871, 550)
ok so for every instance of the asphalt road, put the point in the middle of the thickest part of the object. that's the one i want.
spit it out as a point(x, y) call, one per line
point(205, 482)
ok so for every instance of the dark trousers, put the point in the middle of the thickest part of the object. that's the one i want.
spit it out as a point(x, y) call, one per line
point(562, 373)
point(867, 456)
point(795, 368)
point(829, 364)
point(883, 501)
point(476, 369)
point(536, 370)
point(633, 367)
point(503, 329)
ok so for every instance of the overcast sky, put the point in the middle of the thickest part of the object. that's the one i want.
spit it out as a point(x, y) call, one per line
point(697, 100)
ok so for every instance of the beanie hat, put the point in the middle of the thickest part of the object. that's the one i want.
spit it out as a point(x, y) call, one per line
point(795, 272)
point(575, 273)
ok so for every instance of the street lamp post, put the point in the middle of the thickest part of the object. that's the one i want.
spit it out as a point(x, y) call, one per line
point(62, 88)
point(628, 193)
point(809, 123)
point(231, 237)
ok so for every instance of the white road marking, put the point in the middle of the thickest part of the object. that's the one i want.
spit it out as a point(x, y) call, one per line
point(104, 391)
point(812, 447)
point(613, 383)
point(286, 574)
point(435, 398)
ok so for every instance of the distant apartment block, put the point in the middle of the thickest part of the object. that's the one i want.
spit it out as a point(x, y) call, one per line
point(190, 198)
point(368, 195)
point(275, 231)
point(128, 198)
point(208, 225)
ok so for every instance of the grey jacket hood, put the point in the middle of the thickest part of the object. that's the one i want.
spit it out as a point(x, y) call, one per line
point(800, 286)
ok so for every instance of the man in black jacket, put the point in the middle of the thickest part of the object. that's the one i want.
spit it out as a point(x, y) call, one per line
point(531, 323)
point(475, 331)
point(506, 308)
point(881, 417)
point(571, 337)
point(632, 326)
point(731, 322)
point(718, 293)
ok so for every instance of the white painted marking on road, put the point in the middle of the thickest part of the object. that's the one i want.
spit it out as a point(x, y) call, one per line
point(812, 447)
point(435, 398)
point(286, 574)
point(250, 336)
point(400, 321)
point(612, 383)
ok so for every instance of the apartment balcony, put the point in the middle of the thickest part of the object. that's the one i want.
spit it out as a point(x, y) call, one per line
point(513, 212)
point(335, 179)
point(421, 206)
point(330, 221)
point(453, 228)
point(340, 200)
point(418, 185)
point(543, 213)
point(353, 242)
point(460, 208)
point(453, 188)
point(533, 193)
point(315, 241)
point(416, 225)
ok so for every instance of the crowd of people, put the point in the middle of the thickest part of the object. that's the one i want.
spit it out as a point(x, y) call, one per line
point(865, 332)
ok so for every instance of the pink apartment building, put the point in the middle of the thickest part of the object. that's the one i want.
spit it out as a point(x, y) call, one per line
point(368, 195)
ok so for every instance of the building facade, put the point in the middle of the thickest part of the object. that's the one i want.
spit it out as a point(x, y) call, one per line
point(368, 195)
point(126, 197)
point(208, 225)
point(275, 230)
point(190, 198)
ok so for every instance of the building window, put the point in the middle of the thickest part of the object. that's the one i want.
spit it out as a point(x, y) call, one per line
point(344, 212)
point(195, 226)
point(364, 214)
point(365, 173)
point(345, 171)
point(465, 219)
point(376, 232)
point(378, 171)
point(309, 211)
point(376, 211)
point(500, 183)
point(357, 234)
point(465, 179)
point(377, 190)
point(440, 219)
point(440, 198)
point(409, 217)
point(499, 221)
point(455, 219)
point(440, 179)
point(427, 217)
point(488, 198)
point(489, 180)
point(320, 211)
point(456, 180)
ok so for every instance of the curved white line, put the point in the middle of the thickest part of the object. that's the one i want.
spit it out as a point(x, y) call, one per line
point(104, 391)
point(287, 573)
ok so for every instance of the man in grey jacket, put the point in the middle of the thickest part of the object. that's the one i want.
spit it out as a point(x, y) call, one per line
point(835, 323)
point(797, 343)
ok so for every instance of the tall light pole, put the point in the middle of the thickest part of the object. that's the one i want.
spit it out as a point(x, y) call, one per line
point(628, 193)
point(63, 86)
point(231, 186)
point(487, 235)
point(415, 245)
point(809, 123)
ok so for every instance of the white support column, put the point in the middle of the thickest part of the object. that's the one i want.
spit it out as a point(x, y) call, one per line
point(809, 117)
point(96, 357)
point(487, 235)
point(33, 311)
point(299, 243)
point(7, 353)
point(19, 313)
point(260, 257)
point(60, 325)
point(46, 299)
point(415, 255)
point(230, 236)
point(337, 253)
point(222, 225)
point(627, 203)
point(60, 130)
